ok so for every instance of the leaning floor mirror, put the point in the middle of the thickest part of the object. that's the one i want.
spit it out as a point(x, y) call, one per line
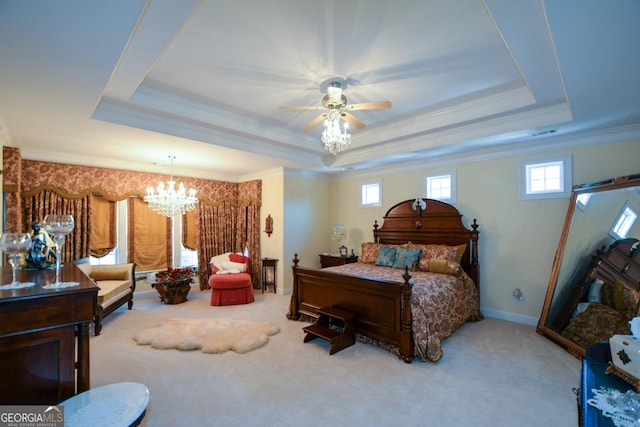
point(594, 287)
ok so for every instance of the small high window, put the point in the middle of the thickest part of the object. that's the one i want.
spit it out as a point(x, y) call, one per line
point(441, 187)
point(624, 222)
point(371, 194)
point(583, 200)
point(546, 178)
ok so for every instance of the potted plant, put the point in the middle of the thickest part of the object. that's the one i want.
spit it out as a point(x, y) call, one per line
point(174, 284)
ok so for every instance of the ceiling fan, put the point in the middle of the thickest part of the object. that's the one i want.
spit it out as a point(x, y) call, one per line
point(334, 102)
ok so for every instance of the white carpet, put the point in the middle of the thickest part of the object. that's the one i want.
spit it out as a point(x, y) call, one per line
point(207, 335)
point(493, 374)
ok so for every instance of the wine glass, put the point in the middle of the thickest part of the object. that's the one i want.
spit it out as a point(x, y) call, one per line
point(58, 227)
point(14, 244)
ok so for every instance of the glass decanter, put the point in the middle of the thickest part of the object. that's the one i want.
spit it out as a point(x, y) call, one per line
point(14, 245)
point(59, 227)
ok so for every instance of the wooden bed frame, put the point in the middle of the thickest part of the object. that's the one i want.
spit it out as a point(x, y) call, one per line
point(382, 308)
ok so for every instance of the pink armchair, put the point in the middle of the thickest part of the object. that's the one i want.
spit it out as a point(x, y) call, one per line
point(230, 281)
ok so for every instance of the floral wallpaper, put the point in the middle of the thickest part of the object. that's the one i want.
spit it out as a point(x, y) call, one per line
point(25, 178)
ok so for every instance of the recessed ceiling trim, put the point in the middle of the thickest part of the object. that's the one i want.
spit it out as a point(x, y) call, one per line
point(124, 114)
point(194, 111)
point(474, 131)
point(157, 26)
point(448, 115)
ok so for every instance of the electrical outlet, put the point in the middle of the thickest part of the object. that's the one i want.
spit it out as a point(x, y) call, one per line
point(517, 295)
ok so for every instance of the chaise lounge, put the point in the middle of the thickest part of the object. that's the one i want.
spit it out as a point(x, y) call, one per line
point(117, 284)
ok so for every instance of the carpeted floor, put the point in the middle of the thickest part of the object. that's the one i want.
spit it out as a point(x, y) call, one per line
point(493, 373)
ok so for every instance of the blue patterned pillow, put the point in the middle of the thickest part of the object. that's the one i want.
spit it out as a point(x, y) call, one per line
point(386, 256)
point(407, 257)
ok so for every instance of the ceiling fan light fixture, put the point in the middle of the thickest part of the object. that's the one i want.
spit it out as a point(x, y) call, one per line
point(336, 111)
point(335, 140)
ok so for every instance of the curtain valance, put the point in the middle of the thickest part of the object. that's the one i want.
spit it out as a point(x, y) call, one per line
point(75, 182)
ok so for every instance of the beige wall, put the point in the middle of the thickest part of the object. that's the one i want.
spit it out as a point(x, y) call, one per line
point(300, 207)
point(307, 214)
point(273, 204)
point(518, 239)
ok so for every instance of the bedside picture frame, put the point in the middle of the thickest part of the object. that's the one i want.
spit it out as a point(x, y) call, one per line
point(343, 250)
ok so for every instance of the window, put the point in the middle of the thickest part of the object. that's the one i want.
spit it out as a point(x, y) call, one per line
point(441, 187)
point(371, 194)
point(188, 257)
point(108, 259)
point(182, 257)
point(623, 223)
point(583, 200)
point(545, 179)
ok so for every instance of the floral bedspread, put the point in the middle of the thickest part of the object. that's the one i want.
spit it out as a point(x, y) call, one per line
point(440, 303)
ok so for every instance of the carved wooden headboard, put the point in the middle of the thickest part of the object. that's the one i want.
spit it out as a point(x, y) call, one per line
point(437, 223)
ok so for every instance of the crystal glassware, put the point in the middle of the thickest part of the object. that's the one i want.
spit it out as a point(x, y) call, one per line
point(58, 227)
point(14, 245)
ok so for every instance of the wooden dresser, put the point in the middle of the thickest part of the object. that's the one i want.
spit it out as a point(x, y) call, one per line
point(327, 260)
point(44, 337)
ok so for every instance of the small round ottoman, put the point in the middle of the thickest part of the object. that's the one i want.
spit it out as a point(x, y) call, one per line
point(231, 289)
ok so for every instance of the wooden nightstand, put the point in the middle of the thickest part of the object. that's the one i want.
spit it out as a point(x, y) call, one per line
point(327, 260)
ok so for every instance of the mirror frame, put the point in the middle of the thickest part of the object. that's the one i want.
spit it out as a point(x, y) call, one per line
point(542, 328)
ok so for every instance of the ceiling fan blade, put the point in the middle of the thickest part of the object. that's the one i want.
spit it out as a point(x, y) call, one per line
point(287, 108)
point(313, 123)
point(369, 105)
point(352, 120)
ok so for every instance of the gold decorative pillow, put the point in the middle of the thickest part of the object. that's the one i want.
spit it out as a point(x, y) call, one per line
point(369, 252)
point(108, 275)
point(621, 298)
point(460, 253)
point(441, 266)
point(625, 300)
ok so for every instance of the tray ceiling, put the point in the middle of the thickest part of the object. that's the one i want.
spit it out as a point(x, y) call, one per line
point(128, 83)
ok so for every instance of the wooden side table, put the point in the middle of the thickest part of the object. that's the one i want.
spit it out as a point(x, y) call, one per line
point(327, 260)
point(269, 273)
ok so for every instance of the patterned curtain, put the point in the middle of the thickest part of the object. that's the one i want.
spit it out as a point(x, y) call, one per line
point(228, 228)
point(217, 233)
point(77, 244)
point(251, 237)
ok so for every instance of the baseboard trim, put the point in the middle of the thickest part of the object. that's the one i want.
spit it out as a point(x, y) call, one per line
point(511, 317)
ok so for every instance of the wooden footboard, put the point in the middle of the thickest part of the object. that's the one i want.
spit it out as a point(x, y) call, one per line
point(382, 308)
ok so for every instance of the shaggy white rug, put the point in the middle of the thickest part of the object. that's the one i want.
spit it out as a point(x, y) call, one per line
point(207, 335)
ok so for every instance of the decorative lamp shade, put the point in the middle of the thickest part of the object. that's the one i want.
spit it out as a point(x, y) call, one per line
point(338, 231)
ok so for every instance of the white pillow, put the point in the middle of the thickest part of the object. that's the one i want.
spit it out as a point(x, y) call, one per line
point(218, 260)
point(232, 271)
point(594, 291)
point(229, 265)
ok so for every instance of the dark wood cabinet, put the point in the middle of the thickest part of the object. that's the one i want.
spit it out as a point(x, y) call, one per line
point(327, 260)
point(44, 337)
point(594, 376)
